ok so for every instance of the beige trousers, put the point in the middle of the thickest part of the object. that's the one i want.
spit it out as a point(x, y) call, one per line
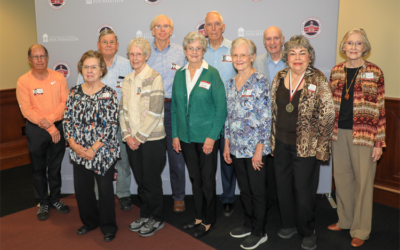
point(354, 173)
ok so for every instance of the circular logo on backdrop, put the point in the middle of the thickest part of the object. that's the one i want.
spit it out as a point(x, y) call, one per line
point(57, 4)
point(63, 68)
point(311, 27)
point(104, 27)
point(153, 2)
point(200, 28)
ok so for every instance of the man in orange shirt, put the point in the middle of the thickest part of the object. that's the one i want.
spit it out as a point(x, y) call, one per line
point(42, 94)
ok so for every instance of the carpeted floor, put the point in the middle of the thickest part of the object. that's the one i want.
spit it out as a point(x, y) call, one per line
point(17, 195)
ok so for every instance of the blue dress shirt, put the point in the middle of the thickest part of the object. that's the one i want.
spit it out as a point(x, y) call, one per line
point(266, 66)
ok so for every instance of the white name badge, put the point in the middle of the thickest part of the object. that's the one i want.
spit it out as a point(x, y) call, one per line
point(226, 58)
point(138, 90)
point(247, 92)
point(119, 81)
point(104, 96)
point(367, 75)
point(119, 85)
point(38, 91)
point(205, 85)
point(312, 87)
point(175, 66)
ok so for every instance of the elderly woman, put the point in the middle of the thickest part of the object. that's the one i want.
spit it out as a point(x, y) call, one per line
point(90, 127)
point(302, 124)
point(198, 114)
point(358, 135)
point(142, 126)
point(247, 140)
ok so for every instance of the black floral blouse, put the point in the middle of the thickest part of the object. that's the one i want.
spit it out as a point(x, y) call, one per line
point(91, 118)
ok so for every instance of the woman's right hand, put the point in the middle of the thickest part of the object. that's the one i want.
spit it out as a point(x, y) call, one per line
point(176, 144)
point(131, 143)
point(227, 152)
point(78, 149)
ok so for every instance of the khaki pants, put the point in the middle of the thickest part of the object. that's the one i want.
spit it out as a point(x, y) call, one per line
point(354, 173)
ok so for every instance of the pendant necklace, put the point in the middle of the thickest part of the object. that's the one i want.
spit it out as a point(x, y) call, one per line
point(346, 96)
point(290, 107)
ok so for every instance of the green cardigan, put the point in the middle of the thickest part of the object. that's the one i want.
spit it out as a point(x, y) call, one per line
point(205, 115)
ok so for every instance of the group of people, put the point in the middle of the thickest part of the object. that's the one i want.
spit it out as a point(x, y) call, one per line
point(272, 118)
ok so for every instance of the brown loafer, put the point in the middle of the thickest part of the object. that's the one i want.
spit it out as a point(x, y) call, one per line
point(179, 206)
point(356, 242)
point(334, 227)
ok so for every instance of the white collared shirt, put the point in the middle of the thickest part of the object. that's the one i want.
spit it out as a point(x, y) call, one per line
point(190, 83)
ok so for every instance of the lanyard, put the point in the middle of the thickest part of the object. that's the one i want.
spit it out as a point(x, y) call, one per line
point(292, 93)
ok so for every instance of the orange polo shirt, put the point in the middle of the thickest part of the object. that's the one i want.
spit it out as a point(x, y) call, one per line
point(42, 98)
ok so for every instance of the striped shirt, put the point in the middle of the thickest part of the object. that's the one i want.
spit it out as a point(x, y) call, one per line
point(166, 63)
point(115, 74)
point(221, 60)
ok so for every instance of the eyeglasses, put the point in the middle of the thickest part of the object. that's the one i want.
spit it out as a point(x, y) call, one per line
point(358, 44)
point(242, 56)
point(165, 26)
point(217, 24)
point(138, 55)
point(105, 43)
point(191, 49)
point(92, 67)
point(37, 57)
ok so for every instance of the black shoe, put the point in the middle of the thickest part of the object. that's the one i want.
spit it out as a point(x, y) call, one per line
point(109, 237)
point(43, 212)
point(253, 241)
point(191, 224)
point(82, 231)
point(309, 243)
point(240, 232)
point(287, 233)
point(201, 230)
point(60, 207)
point(125, 203)
point(228, 209)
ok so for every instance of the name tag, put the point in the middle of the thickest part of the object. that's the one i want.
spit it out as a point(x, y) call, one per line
point(226, 58)
point(175, 66)
point(312, 87)
point(38, 92)
point(104, 96)
point(119, 81)
point(247, 92)
point(367, 75)
point(138, 90)
point(205, 85)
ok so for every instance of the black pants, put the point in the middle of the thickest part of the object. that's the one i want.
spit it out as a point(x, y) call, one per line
point(46, 158)
point(253, 193)
point(147, 163)
point(297, 183)
point(271, 182)
point(202, 169)
point(91, 215)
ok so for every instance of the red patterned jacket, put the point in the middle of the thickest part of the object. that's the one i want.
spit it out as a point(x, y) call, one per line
point(369, 120)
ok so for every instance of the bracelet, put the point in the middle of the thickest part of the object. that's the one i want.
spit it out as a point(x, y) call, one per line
point(93, 150)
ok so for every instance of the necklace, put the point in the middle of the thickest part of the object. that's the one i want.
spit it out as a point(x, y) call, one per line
point(346, 96)
point(290, 107)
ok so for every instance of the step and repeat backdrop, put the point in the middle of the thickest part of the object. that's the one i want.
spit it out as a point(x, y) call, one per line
point(68, 28)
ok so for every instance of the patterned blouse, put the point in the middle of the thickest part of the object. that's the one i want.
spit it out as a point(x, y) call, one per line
point(91, 118)
point(249, 116)
point(369, 119)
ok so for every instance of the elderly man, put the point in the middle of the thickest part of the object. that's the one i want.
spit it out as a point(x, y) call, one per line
point(166, 58)
point(218, 55)
point(269, 64)
point(42, 94)
point(117, 68)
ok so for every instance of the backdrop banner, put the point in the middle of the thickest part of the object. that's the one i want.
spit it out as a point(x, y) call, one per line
point(69, 28)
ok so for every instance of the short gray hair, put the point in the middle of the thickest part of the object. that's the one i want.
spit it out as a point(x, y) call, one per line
point(298, 41)
point(107, 32)
point(142, 44)
point(195, 36)
point(239, 41)
point(367, 45)
point(155, 20)
point(215, 12)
